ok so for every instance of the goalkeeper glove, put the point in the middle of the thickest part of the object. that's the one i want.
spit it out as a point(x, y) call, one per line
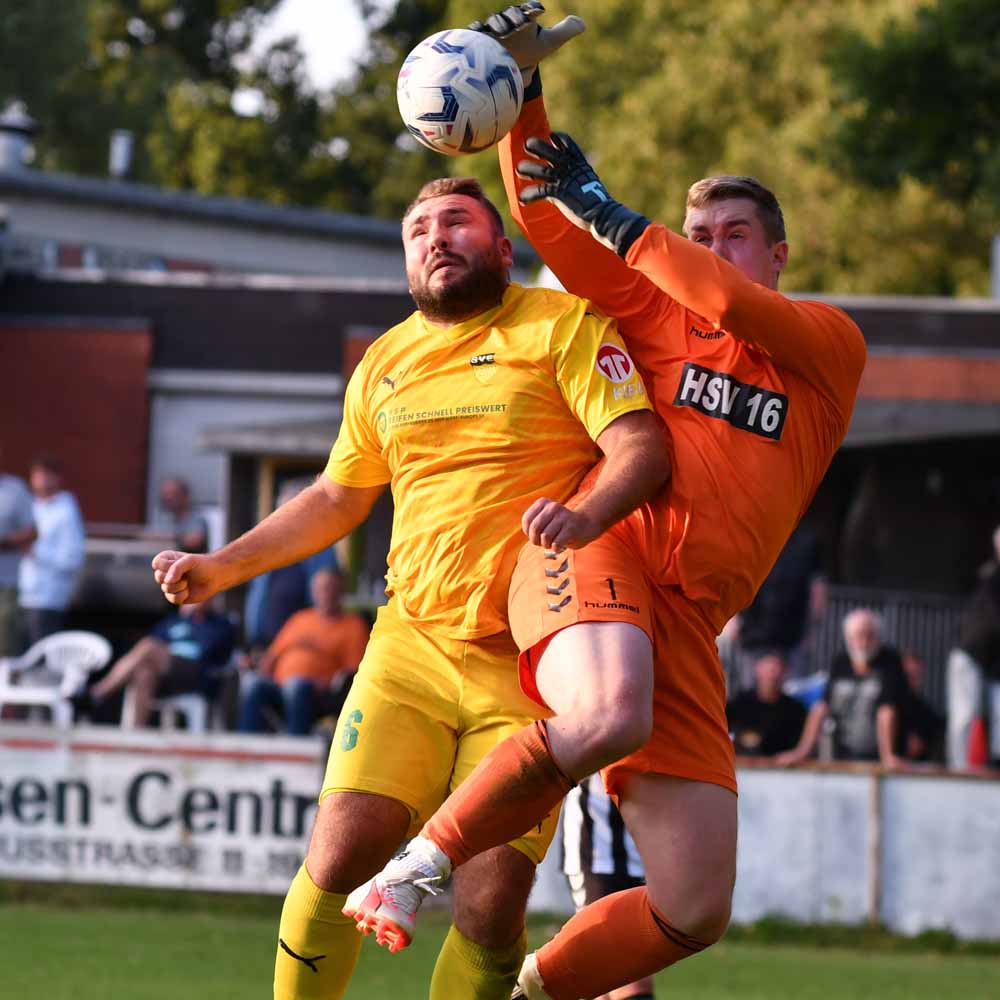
point(529, 43)
point(570, 181)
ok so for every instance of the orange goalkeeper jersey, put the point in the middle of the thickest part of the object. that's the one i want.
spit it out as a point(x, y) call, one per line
point(756, 390)
point(471, 424)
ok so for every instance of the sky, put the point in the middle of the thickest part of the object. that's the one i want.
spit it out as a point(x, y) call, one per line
point(329, 32)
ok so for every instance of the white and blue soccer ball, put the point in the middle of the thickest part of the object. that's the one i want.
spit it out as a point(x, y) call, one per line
point(459, 91)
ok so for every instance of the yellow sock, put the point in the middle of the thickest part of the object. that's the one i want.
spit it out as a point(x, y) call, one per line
point(467, 971)
point(317, 945)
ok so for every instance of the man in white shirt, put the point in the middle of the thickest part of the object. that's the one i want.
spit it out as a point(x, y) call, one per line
point(17, 532)
point(48, 571)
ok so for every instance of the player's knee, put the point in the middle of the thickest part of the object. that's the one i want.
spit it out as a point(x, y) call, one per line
point(614, 732)
point(705, 916)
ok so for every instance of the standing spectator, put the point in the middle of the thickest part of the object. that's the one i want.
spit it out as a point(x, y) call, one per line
point(765, 721)
point(49, 569)
point(185, 652)
point(921, 725)
point(317, 647)
point(778, 618)
point(974, 662)
point(864, 697)
point(17, 533)
point(188, 530)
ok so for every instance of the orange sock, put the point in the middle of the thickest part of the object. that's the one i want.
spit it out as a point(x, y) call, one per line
point(513, 788)
point(611, 943)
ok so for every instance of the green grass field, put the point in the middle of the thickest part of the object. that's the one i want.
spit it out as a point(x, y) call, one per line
point(85, 952)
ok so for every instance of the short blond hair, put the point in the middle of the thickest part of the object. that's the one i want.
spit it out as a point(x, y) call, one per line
point(468, 186)
point(724, 186)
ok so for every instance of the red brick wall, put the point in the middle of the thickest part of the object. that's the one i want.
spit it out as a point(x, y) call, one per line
point(79, 392)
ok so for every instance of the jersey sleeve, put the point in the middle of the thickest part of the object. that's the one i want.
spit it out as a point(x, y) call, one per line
point(584, 266)
point(594, 371)
point(817, 341)
point(356, 458)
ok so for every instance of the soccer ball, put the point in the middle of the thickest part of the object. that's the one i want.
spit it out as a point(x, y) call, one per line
point(459, 91)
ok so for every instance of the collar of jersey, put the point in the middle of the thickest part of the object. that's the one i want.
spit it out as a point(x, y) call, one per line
point(511, 295)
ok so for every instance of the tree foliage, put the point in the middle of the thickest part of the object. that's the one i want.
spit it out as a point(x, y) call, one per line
point(663, 92)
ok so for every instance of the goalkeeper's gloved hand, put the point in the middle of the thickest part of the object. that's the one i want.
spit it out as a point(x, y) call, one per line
point(570, 181)
point(529, 43)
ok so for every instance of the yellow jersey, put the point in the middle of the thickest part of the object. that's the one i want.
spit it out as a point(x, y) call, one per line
point(470, 424)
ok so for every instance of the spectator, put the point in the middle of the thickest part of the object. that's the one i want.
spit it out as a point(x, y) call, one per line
point(863, 697)
point(317, 647)
point(974, 662)
point(765, 721)
point(185, 652)
point(188, 530)
point(778, 618)
point(272, 598)
point(49, 570)
point(921, 725)
point(17, 533)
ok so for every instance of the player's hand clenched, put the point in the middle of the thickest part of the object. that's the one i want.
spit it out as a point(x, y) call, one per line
point(185, 578)
point(553, 525)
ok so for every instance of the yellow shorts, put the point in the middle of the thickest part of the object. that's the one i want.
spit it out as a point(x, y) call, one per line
point(424, 709)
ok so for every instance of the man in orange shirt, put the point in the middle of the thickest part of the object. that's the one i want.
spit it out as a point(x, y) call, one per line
point(489, 401)
point(316, 648)
point(756, 390)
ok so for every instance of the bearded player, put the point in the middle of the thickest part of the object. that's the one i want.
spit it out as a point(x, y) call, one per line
point(757, 391)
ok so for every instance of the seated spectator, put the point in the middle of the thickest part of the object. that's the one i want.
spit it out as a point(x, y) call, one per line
point(185, 652)
point(272, 598)
point(17, 533)
point(765, 721)
point(177, 519)
point(974, 663)
point(921, 726)
point(863, 698)
point(316, 648)
point(48, 571)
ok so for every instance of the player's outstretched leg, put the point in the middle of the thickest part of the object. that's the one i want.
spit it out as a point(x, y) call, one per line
point(387, 904)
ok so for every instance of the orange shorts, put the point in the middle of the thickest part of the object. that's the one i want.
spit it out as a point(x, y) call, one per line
point(605, 581)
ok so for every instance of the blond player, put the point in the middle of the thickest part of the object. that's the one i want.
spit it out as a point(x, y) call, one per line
point(484, 407)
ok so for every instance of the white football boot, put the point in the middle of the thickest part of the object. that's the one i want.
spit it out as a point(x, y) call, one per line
point(387, 904)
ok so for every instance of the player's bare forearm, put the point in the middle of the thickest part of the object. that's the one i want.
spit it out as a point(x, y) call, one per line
point(313, 520)
point(636, 467)
point(317, 517)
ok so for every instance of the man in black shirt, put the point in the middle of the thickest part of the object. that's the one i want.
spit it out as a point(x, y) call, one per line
point(864, 696)
point(765, 721)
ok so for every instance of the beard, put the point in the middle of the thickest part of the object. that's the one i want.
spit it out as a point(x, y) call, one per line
point(478, 288)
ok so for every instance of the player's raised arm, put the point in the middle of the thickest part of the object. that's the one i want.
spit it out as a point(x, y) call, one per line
point(313, 520)
point(818, 342)
point(584, 268)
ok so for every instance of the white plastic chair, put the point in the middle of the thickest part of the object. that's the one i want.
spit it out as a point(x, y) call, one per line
point(192, 707)
point(68, 658)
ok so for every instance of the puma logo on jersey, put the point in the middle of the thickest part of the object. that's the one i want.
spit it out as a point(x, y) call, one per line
point(483, 359)
point(390, 382)
point(744, 405)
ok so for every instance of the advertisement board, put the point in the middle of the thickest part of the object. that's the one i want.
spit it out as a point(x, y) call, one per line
point(95, 804)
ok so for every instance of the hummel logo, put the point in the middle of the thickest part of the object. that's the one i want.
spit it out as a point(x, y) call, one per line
point(389, 382)
point(311, 962)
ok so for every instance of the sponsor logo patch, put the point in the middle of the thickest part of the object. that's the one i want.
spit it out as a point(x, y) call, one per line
point(746, 406)
point(614, 363)
point(484, 366)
